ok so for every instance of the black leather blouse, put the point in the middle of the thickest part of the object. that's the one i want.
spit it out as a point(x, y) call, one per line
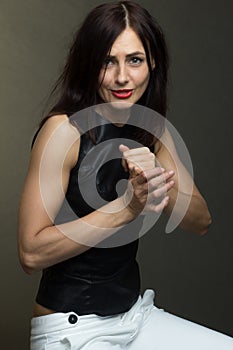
point(104, 281)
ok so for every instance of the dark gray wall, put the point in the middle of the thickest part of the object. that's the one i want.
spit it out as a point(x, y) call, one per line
point(192, 275)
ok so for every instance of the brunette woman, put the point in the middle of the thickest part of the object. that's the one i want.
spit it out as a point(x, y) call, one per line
point(89, 293)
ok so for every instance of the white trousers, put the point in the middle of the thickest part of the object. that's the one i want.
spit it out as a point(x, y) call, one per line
point(143, 327)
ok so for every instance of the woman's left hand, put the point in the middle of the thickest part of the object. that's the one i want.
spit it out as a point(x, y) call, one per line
point(137, 160)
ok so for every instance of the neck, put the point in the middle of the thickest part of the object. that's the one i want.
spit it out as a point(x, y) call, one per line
point(117, 113)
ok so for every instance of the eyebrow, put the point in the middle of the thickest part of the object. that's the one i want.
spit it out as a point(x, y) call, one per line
point(130, 54)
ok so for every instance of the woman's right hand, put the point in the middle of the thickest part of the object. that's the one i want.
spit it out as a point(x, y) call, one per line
point(147, 190)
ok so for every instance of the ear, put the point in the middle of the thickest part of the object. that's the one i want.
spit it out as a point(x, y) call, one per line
point(153, 64)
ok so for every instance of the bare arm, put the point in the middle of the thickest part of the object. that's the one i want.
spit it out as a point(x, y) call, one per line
point(40, 242)
point(197, 218)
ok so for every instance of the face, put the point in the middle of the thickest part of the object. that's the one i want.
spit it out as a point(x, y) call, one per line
point(125, 73)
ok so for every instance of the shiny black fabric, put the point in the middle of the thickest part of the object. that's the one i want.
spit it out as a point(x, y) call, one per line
point(104, 281)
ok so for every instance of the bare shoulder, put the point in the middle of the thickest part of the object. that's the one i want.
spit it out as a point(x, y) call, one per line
point(60, 133)
point(164, 142)
point(60, 121)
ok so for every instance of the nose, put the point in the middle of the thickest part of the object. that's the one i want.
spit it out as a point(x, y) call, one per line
point(122, 75)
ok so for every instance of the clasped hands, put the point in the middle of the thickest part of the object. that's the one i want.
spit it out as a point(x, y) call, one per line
point(148, 184)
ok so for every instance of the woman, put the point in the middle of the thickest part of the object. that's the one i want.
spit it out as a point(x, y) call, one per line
point(89, 294)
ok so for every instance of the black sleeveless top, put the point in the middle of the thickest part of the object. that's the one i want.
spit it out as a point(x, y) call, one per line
point(102, 280)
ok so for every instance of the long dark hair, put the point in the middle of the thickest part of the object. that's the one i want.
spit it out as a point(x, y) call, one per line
point(79, 82)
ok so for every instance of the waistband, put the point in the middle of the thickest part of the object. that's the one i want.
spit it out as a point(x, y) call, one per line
point(59, 321)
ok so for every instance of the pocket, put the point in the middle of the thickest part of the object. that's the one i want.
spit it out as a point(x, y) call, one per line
point(49, 331)
point(54, 340)
point(57, 342)
point(57, 346)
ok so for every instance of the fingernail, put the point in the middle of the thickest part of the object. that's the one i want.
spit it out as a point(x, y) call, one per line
point(171, 172)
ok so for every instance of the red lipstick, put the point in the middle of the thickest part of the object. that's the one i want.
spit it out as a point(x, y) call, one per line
point(124, 93)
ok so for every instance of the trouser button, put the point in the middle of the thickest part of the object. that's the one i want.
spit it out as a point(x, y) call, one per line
point(73, 319)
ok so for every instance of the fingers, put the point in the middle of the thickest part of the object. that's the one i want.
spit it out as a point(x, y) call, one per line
point(150, 191)
point(123, 148)
point(158, 208)
point(140, 150)
point(159, 186)
point(150, 183)
point(138, 158)
point(155, 177)
point(151, 175)
point(159, 194)
point(154, 192)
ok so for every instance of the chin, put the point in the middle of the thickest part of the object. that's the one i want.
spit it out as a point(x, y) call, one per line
point(121, 105)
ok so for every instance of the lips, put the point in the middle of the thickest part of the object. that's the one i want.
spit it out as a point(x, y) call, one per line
point(123, 93)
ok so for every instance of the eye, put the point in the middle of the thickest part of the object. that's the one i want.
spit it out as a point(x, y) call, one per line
point(136, 61)
point(108, 62)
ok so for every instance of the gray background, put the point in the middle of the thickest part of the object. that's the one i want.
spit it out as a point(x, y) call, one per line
point(192, 275)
